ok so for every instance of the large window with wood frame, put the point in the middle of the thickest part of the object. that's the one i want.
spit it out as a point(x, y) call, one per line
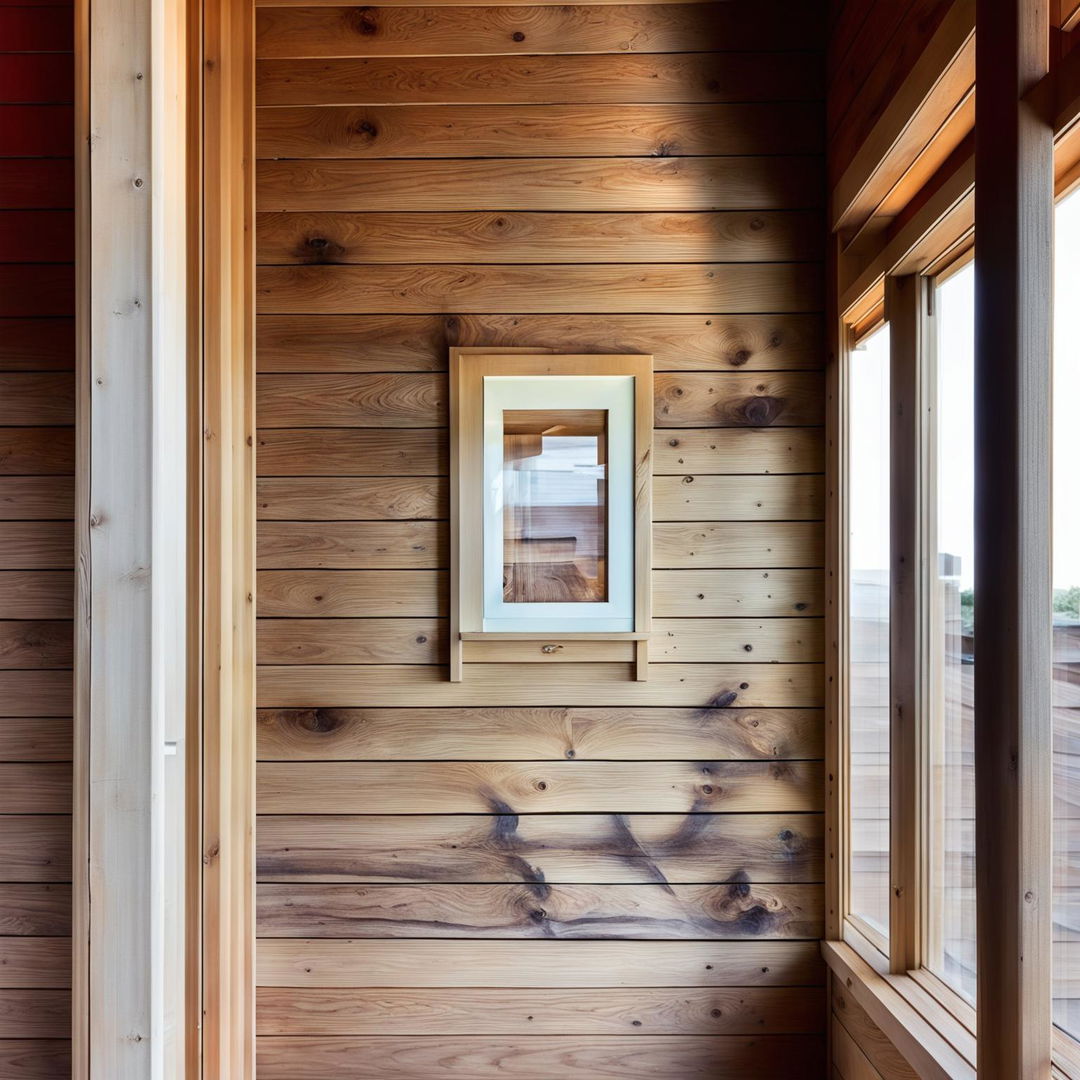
point(1065, 689)
point(868, 602)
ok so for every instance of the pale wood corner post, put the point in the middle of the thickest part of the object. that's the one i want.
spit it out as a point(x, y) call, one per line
point(1013, 276)
point(228, 540)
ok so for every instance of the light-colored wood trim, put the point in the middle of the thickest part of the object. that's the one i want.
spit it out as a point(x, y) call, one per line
point(1013, 288)
point(906, 303)
point(917, 115)
point(228, 540)
point(1067, 16)
point(923, 1036)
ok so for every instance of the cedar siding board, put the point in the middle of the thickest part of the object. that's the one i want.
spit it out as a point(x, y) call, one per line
point(37, 465)
point(548, 868)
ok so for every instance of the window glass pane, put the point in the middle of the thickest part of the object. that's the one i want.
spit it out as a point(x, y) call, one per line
point(951, 537)
point(555, 506)
point(868, 629)
point(1066, 583)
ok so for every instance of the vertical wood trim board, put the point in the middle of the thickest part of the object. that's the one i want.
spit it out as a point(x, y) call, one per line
point(528, 861)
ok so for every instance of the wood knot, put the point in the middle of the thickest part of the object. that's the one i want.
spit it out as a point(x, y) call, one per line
point(740, 358)
point(518, 36)
point(366, 128)
point(365, 21)
point(761, 411)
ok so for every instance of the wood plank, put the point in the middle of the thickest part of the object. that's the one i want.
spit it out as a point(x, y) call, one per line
point(351, 452)
point(421, 342)
point(299, 962)
point(36, 1059)
point(680, 78)
point(711, 545)
point(334, 498)
point(542, 849)
point(357, 787)
point(37, 345)
point(35, 644)
point(35, 1014)
point(848, 1060)
point(36, 29)
point(660, 130)
point(650, 184)
point(35, 693)
point(379, 401)
point(756, 1010)
point(46, 236)
point(35, 849)
point(36, 398)
point(351, 593)
point(738, 498)
point(728, 912)
point(353, 545)
point(35, 738)
point(706, 451)
point(351, 641)
point(492, 237)
point(734, 593)
point(28, 962)
point(494, 734)
point(36, 594)
point(676, 1057)
point(25, 498)
point(35, 787)
point(35, 910)
point(501, 30)
point(616, 287)
point(587, 651)
point(708, 685)
point(36, 131)
point(37, 450)
point(772, 641)
point(35, 545)
point(881, 1053)
point(30, 184)
point(35, 289)
point(693, 399)
point(37, 77)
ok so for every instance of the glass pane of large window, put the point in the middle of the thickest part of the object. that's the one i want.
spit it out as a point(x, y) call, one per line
point(951, 672)
point(555, 506)
point(1066, 585)
point(868, 630)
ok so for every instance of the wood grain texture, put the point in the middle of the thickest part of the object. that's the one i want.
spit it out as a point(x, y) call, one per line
point(326, 343)
point(522, 80)
point(707, 545)
point(696, 912)
point(769, 641)
point(35, 910)
point(35, 693)
point(505, 131)
point(347, 787)
point(735, 593)
point(36, 848)
point(606, 287)
point(351, 641)
point(35, 738)
point(738, 498)
point(36, 398)
point(35, 787)
point(541, 848)
point(697, 399)
point(492, 237)
point(870, 1039)
point(35, 644)
point(610, 1011)
point(332, 498)
point(379, 401)
point(351, 452)
point(677, 1057)
point(706, 451)
point(35, 963)
point(36, 545)
point(648, 184)
point(314, 962)
point(38, 345)
point(529, 733)
point(36, 594)
point(46, 235)
point(34, 1014)
point(36, 1059)
point(37, 184)
point(501, 30)
point(748, 685)
point(37, 451)
point(352, 545)
point(351, 593)
point(37, 498)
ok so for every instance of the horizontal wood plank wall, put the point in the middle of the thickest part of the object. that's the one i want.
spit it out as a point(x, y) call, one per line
point(37, 503)
point(548, 869)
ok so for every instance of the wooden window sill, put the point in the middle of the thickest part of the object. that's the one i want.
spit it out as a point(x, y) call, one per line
point(934, 1043)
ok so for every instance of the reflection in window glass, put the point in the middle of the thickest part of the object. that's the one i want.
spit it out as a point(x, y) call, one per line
point(1066, 585)
point(555, 506)
point(951, 536)
point(868, 630)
